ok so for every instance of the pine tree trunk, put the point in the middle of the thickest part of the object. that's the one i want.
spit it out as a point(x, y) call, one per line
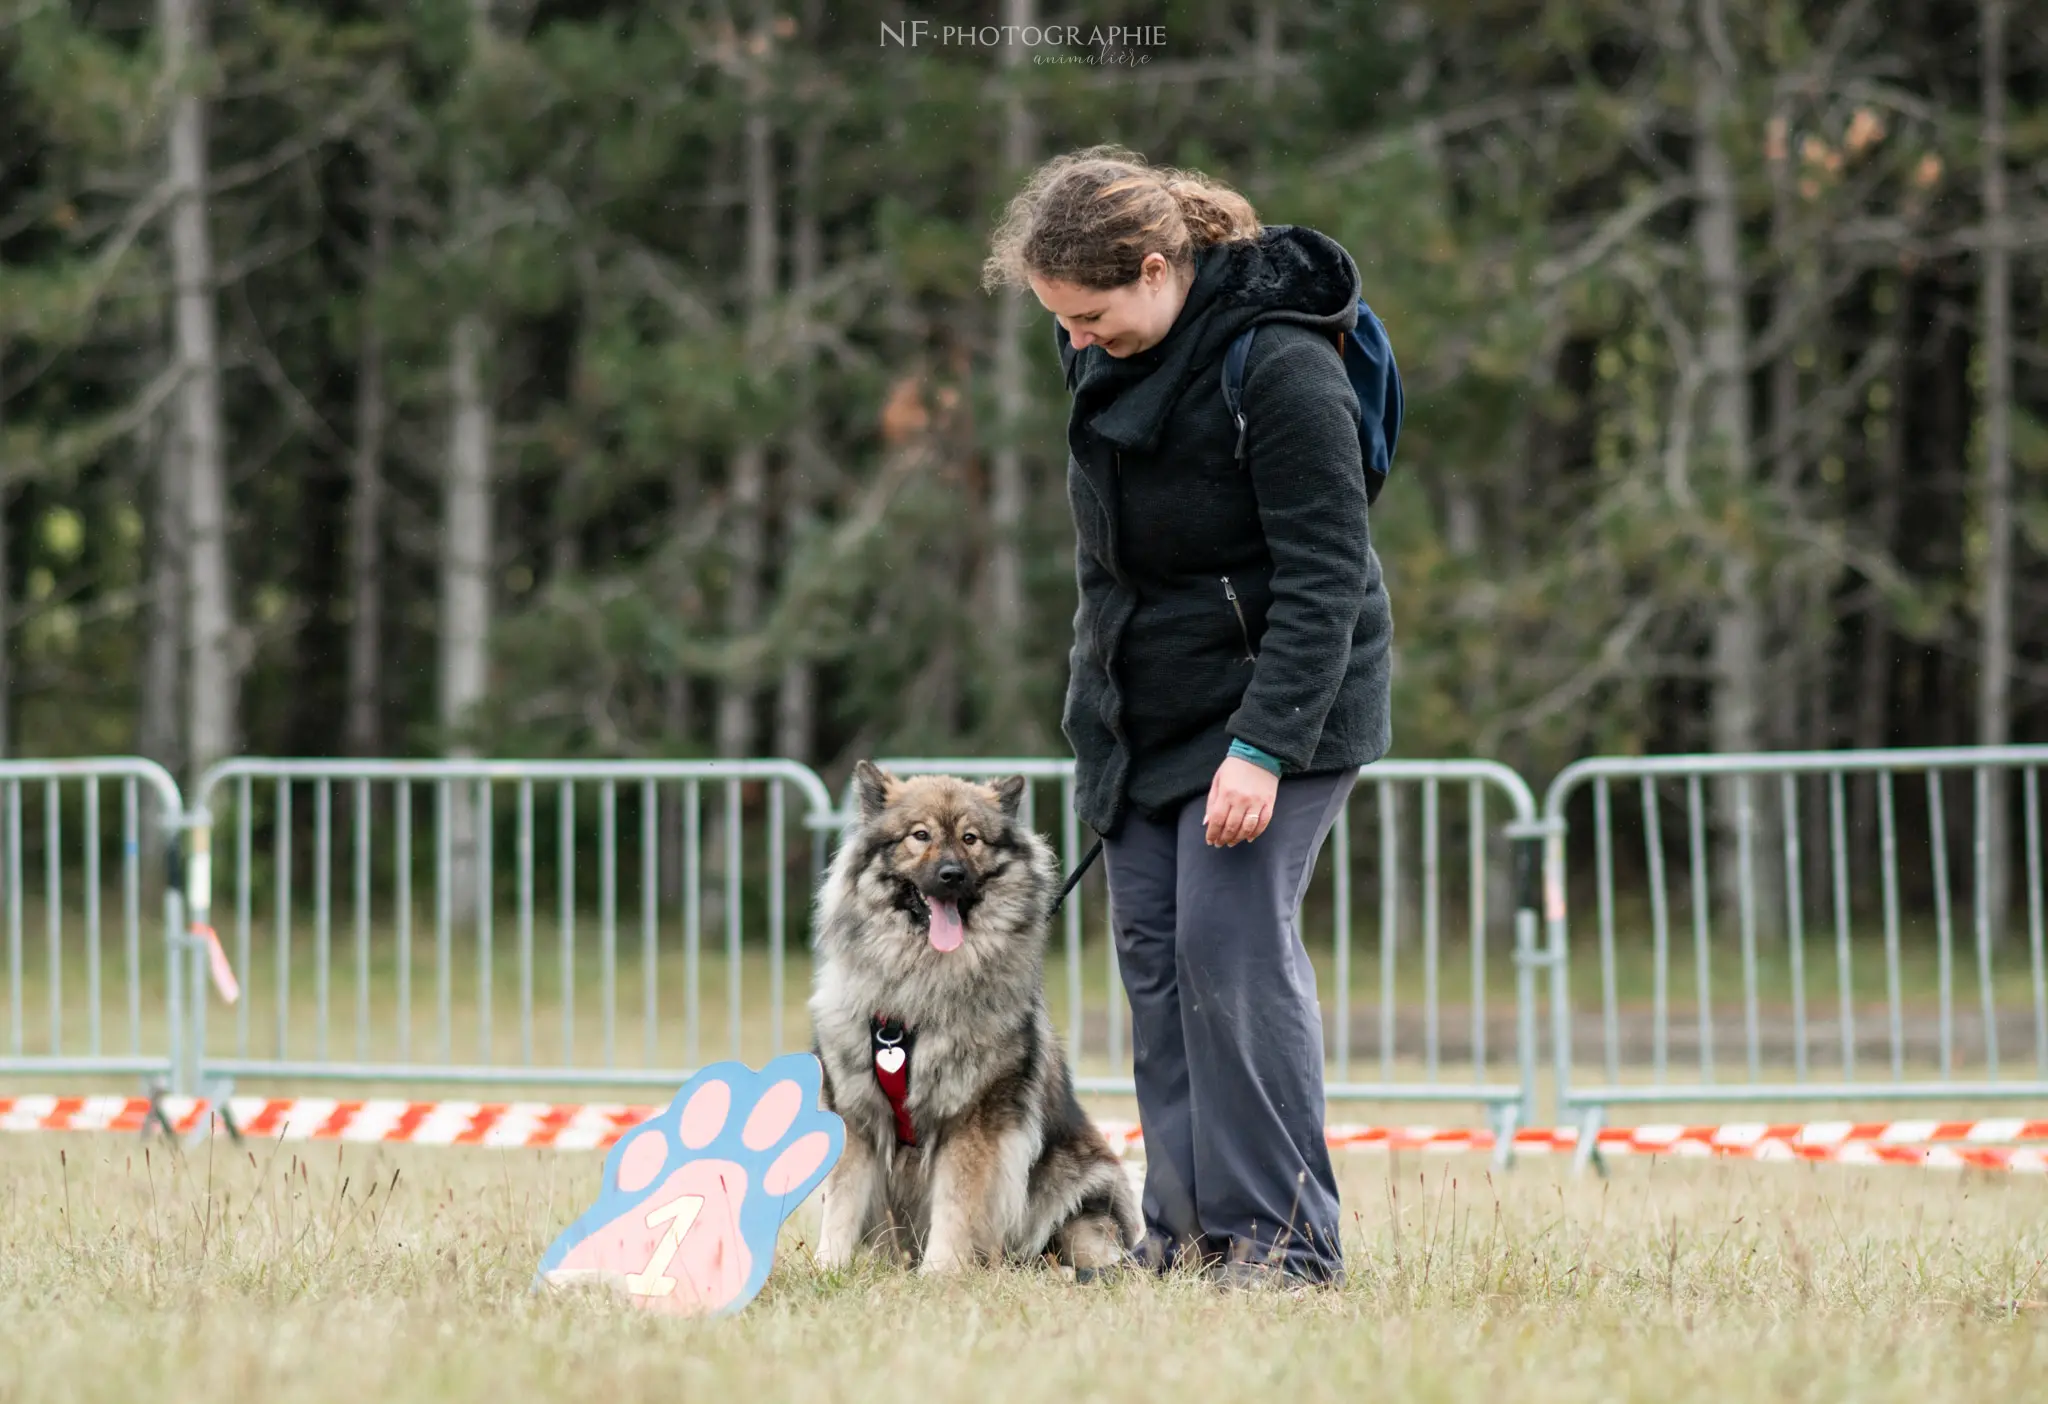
point(212, 662)
point(747, 486)
point(1871, 727)
point(747, 489)
point(1994, 675)
point(675, 713)
point(465, 579)
point(1001, 653)
point(939, 694)
point(156, 725)
point(678, 715)
point(465, 533)
point(6, 585)
point(1797, 688)
point(1785, 686)
point(796, 701)
point(1266, 51)
point(1738, 631)
point(366, 503)
point(745, 493)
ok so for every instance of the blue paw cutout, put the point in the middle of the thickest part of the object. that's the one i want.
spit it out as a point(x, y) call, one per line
point(693, 1197)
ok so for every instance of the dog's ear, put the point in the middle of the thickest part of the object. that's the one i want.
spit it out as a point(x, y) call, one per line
point(874, 784)
point(1010, 794)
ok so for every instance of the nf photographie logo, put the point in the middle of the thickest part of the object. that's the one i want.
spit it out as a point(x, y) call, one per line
point(1118, 43)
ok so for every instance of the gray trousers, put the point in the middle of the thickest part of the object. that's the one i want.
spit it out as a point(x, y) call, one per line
point(1227, 1033)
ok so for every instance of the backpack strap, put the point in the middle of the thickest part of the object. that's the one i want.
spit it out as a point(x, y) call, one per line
point(1233, 381)
point(1368, 358)
point(1234, 359)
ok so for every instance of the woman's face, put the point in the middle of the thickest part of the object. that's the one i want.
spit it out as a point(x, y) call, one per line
point(1122, 321)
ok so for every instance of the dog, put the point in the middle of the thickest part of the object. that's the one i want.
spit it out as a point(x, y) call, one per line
point(964, 1143)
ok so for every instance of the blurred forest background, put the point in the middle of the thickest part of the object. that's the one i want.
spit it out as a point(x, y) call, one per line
point(572, 378)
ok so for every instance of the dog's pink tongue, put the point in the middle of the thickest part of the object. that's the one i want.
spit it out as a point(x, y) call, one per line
point(946, 932)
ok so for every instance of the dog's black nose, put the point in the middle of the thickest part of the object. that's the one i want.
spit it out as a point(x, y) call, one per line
point(952, 874)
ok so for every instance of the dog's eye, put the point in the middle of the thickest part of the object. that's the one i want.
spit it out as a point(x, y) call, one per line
point(921, 835)
point(970, 839)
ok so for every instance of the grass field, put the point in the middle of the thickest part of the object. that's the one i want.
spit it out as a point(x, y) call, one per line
point(402, 1274)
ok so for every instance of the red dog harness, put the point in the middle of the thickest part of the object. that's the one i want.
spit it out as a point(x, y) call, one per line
point(889, 1041)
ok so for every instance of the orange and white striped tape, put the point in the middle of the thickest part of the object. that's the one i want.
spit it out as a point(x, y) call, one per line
point(1989, 1144)
point(1872, 1142)
point(589, 1127)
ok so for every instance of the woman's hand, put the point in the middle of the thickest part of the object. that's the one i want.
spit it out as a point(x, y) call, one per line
point(1240, 802)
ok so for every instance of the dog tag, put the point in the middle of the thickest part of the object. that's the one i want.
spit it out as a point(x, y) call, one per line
point(889, 1060)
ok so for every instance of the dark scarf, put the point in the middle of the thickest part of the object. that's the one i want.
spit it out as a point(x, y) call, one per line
point(1125, 400)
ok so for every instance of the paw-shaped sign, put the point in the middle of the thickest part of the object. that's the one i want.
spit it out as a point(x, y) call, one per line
point(693, 1198)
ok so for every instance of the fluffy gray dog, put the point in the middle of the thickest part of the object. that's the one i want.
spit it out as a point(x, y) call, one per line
point(963, 1139)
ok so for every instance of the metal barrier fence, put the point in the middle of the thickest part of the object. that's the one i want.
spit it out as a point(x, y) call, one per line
point(576, 923)
point(396, 942)
point(1813, 836)
point(53, 812)
point(392, 928)
point(1438, 1056)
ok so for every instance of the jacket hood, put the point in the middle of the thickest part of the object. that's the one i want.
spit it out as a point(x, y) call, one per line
point(1290, 273)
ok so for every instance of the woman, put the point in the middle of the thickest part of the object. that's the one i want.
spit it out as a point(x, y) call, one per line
point(1229, 672)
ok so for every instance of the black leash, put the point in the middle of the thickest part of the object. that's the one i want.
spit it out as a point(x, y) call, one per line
point(1087, 862)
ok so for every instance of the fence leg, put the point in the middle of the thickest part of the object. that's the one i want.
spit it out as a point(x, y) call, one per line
point(158, 1119)
point(1506, 1118)
point(174, 997)
point(215, 1093)
point(1587, 1152)
point(1527, 839)
point(193, 864)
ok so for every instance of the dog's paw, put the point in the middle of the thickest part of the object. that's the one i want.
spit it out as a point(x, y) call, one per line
point(941, 1267)
point(693, 1198)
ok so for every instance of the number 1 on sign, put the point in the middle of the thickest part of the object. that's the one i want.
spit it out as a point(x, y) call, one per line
point(679, 1213)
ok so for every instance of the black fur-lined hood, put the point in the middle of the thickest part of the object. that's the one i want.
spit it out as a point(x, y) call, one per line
point(1290, 273)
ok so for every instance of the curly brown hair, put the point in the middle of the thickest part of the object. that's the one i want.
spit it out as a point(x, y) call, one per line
point(1090, 217)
